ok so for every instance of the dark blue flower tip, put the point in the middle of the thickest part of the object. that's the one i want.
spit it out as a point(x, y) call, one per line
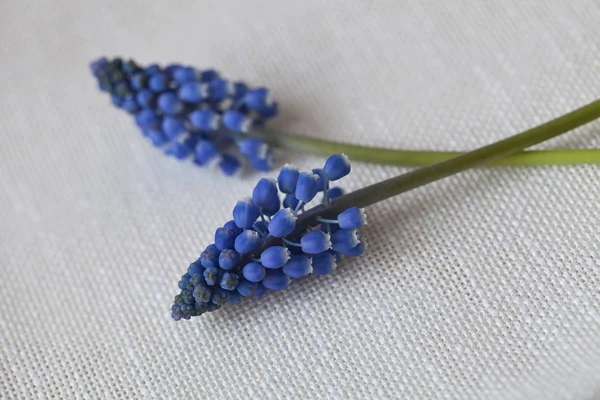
point(229, 281)
point(130, 105)
point(159, 82)
point(257, 252)
point(202, 294)
point(195, 268)
point(211, 275)
point(169, 103)
point(185, 279)
point(229, 165)
point(221, 296)
point(145, 98)
point(283, 223)
point(315, 242)
point(247, 241)
point(298, 266)
point(152, 69)
point(258, 99)
point(287, 179)
point(344, 240)
point(198, 279)
point(181, 100)
point(254, 272)
point(225, 238)
point(236, 297)
point(352, 218)
point(237, 121)
point(245, 213)
point(205, 120)
point(336, 167)
point(139, 81)
point(246, 288)
point(210, 257)
point(229, 258)
point(307, 186)
point(275, 257)
point(323, 263)
point(265, 193)
point(173, 127)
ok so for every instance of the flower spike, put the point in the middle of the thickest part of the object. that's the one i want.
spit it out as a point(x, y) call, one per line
point(191, 113)
point(266, 253)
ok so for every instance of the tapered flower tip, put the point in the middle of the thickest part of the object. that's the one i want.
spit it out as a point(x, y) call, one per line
point(266, 247)
point(178, 106)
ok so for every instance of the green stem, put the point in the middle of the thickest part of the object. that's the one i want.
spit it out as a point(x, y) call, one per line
point(423, 176)
point(295, 142)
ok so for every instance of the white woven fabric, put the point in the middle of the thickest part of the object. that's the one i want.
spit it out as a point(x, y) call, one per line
point(483, 286)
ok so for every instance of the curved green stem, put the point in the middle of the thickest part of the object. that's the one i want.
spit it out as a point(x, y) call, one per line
point(296, 142)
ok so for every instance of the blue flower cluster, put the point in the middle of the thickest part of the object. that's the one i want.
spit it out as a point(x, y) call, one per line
point(191, 113)
point(264, 247)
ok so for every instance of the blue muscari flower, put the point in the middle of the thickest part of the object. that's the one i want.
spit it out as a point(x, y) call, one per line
point(336, 167)
point(254, 272)
point(262, 249)
point(225, 238)
point(182, 104)
point(265, 193)
point(210, 256)
point(229, 258)
point(211, 275)
point(287, 179)
point(229, 281)
point(275, 257)
point(283, 223)
point(307, 186)
point(170, 104)
point(245, 213)
point(173, 127)
point(205, 151)
point(276, 280)
point(298, 266)
point(323, 263)
point(352, 218)
point(344, 240)
point(315, 242)
point(258, 99)
point(237, 121)
point(221, 296)
point(205, 120)
point(247, 241)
